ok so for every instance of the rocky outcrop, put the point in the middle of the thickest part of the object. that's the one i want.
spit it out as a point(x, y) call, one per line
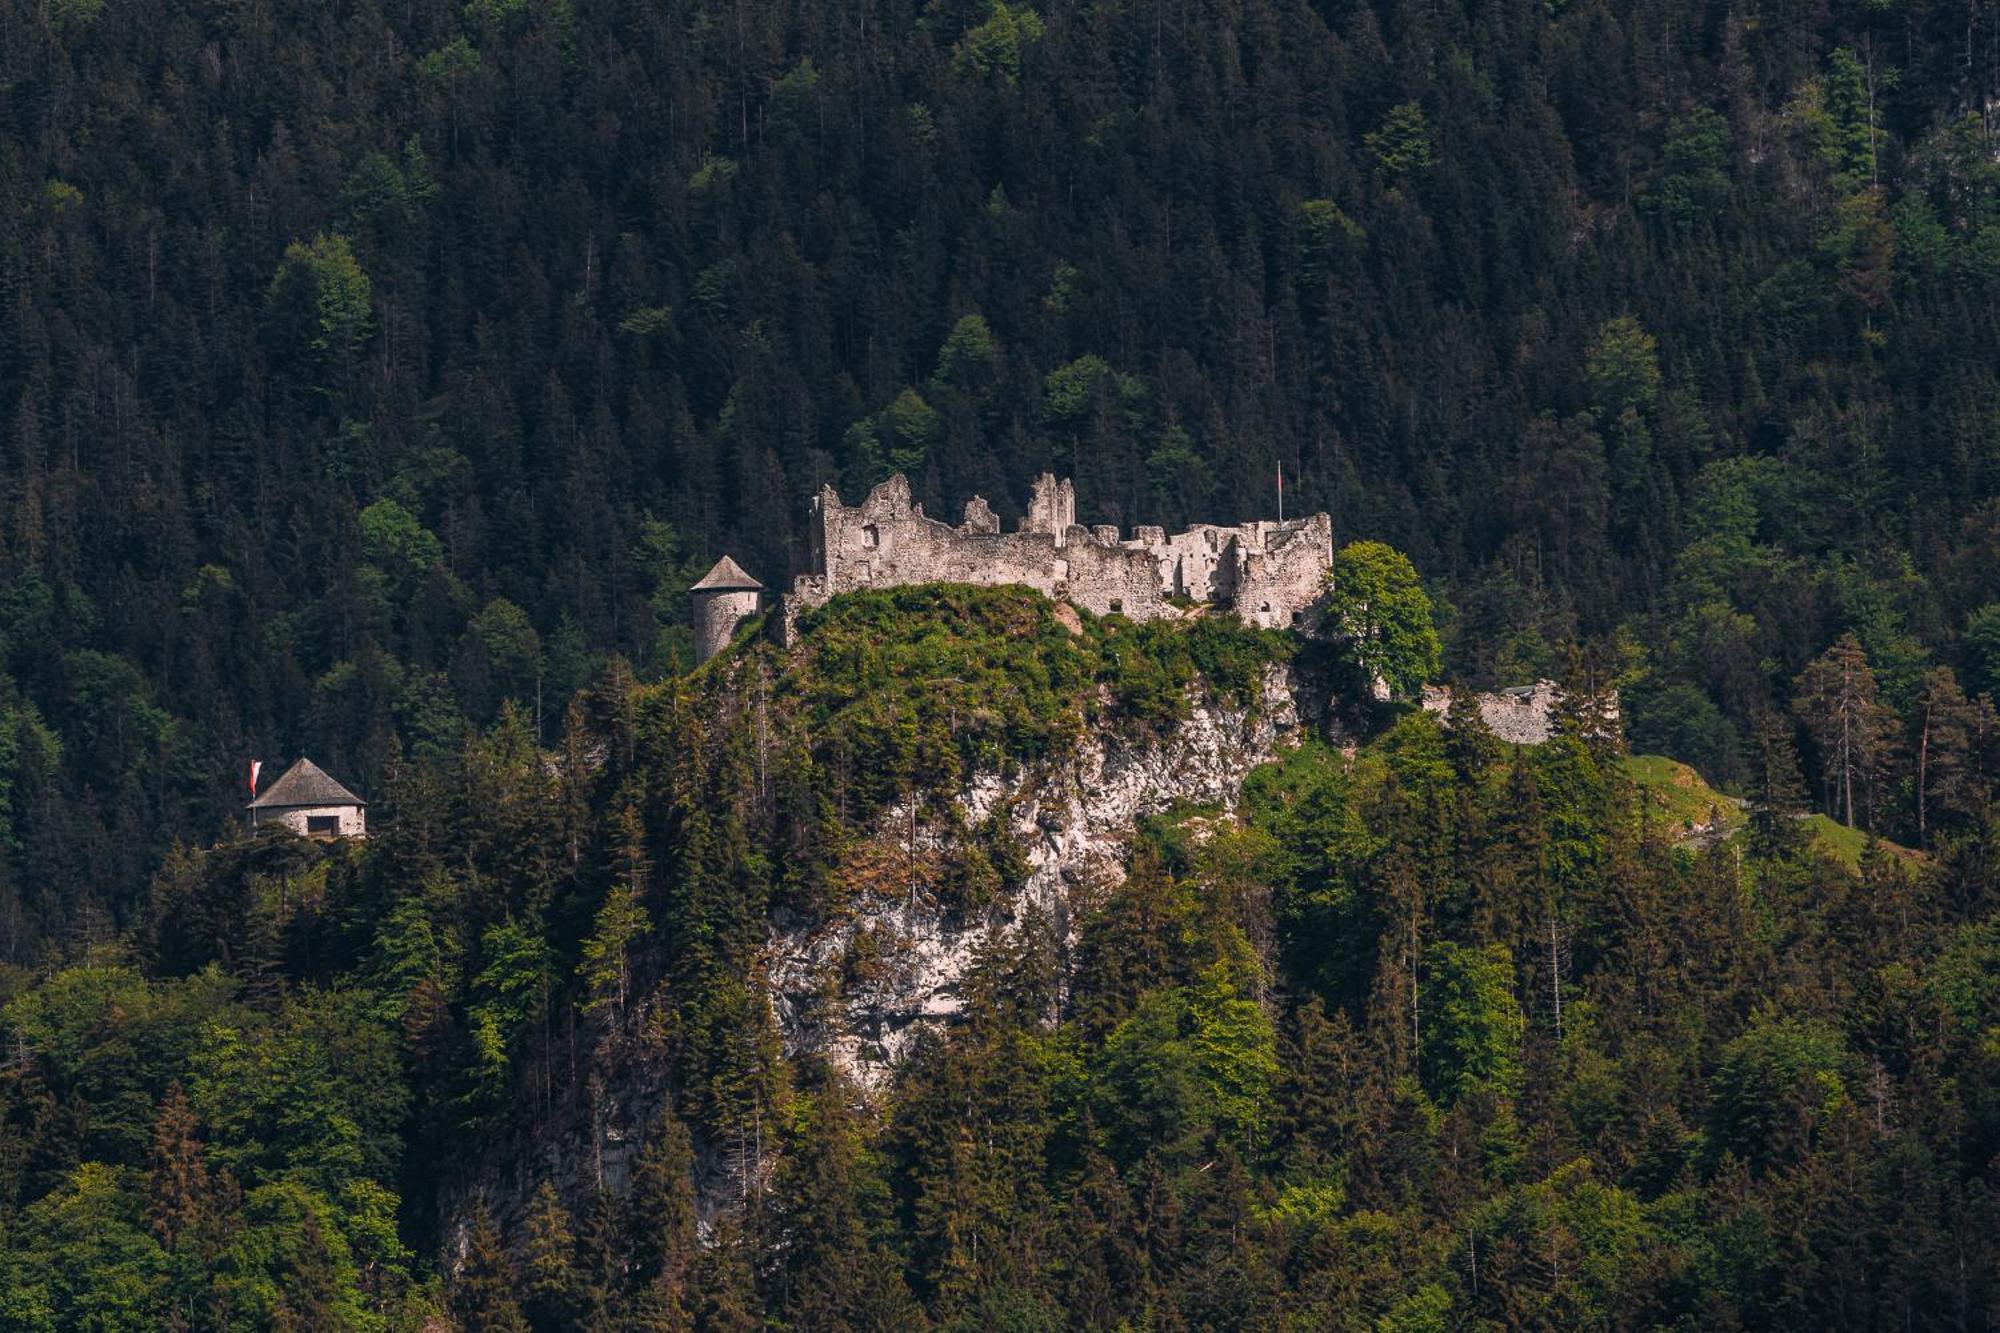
point(1074, 820)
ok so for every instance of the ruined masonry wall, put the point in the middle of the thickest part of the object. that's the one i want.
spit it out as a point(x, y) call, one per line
point(1270, 573)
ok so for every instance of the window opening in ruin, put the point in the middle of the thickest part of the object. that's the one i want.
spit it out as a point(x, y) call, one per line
point(322, 823)
point(1117, 606)
point(871, 536)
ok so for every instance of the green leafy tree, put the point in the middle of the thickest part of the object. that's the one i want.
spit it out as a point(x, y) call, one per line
point(969, 355)
point(1622, 367)
point(1472, 1038)
point(1376, 601)
point(1778, 1087)
point(996, 46)
point(82, 1257)
point(324, 297)
point(911, 428)
point(1192, 1061)
point(1402, 143)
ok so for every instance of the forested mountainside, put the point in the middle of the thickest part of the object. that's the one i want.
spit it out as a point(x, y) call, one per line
point(363, 367)
point(374, 381)
point(1417, 1031)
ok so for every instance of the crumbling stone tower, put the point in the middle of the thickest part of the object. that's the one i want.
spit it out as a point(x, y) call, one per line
point(724, 599)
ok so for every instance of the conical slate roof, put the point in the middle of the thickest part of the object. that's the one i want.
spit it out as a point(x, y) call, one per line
point(725, 577)
point(304, 783)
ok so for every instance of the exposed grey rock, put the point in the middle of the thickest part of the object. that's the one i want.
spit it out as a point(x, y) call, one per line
point(1074, 818)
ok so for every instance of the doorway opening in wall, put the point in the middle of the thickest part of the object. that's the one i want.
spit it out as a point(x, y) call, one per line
point(326, 825)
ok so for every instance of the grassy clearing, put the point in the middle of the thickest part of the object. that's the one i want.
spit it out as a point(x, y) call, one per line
point(1680, 797)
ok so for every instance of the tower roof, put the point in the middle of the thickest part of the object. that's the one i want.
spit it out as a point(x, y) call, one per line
point(304, 783)
point(726, 576)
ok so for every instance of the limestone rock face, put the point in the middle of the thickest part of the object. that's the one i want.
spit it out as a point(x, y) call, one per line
point(1073, 818)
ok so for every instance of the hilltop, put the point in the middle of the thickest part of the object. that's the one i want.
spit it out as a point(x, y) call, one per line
point(970, 915)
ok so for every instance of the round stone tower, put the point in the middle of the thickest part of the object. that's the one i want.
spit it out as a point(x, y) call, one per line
point(724, 599)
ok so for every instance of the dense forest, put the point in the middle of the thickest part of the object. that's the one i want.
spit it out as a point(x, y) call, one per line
point(1435, 1033)
point(363, 367)
point(375, 379)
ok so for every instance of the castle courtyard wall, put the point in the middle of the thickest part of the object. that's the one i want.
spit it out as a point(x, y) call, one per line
point(1271, 574)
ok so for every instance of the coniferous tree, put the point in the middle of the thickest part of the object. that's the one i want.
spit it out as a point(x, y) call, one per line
point(548, 1268)
point(483, 1295)
point(659, 1215)
point(179, 1198)
point(1835, 699)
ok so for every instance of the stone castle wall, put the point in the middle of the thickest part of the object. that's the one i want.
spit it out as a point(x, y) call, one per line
point(1521, 714)
point(1270, 574)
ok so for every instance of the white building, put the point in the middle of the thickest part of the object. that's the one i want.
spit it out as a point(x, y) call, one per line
point(311, 804)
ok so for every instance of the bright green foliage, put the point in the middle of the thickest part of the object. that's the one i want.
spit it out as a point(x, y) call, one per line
point(392, 538)
point(316, 1093)
point(715, 173)
point(1694, 186)
point(1472, 1038)
point(1779, 1085)
point(995, 47)
point(1565, 1249)
point(910, 426)
point(1402, 143)
point(923, 683)
point(1425, 1310)
point(1326, 228)
point(322, 282)
point(1067, 391)
point(508, 991)
point(1193, 1061)
point(290, 1263)
point(1622, 367)
point(81, 1258)
point(1380, 607)
point(968, 356)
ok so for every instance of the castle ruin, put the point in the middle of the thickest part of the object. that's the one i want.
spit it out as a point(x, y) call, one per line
point(1270, 574)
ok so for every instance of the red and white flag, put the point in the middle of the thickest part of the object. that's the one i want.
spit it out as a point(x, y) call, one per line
point(256, 766)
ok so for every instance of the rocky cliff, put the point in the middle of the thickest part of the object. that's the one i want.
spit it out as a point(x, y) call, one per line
point(1073, 818)
point(1060, 733)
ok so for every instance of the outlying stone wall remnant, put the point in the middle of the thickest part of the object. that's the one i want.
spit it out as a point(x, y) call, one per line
point(1521, 714)
point(1270, 574)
